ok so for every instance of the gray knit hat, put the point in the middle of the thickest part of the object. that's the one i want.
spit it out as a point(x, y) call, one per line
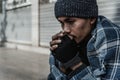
point(76, 8)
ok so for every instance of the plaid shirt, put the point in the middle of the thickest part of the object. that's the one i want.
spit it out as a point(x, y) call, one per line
point(103, 51)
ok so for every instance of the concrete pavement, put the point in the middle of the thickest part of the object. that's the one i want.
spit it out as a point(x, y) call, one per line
point(22, 65)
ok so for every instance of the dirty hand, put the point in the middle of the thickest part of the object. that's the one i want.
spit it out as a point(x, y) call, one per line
point(63, 47)
point(56, 39)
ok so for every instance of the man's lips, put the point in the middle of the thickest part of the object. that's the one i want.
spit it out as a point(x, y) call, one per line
point(72, 36)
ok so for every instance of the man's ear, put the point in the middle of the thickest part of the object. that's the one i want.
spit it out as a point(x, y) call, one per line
point(92, 21)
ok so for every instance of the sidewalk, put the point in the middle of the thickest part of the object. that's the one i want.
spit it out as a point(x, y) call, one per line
point(22, 65)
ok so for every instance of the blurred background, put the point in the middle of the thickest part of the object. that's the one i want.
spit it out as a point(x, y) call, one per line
point(26, 27)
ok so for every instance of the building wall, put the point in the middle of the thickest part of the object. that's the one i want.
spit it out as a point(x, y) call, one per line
point(110, 9)
point(18, 18)
point(50, 26)
point(19, 25)
point(23, 26)
point(20, 22)
point(1, 19)
point(48, 23)
point(0, 6)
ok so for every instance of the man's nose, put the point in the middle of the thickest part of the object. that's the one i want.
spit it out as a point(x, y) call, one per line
point(66, 29)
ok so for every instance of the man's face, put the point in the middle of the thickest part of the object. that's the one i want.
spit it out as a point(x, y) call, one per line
point(77, 28)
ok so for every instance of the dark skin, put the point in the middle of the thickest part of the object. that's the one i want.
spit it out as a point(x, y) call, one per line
point(75, 28)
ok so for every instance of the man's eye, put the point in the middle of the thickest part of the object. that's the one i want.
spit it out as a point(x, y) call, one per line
point(70, 22)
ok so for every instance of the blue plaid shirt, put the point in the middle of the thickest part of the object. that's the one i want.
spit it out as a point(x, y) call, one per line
point(103, 51)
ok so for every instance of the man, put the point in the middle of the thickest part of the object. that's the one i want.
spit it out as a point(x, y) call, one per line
point(88, 48)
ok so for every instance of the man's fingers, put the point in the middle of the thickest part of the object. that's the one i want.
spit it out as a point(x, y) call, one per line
point(58, 35)
point(53, 47)
point(54, 42)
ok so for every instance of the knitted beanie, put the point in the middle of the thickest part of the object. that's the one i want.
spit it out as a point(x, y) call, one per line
point(76, 8)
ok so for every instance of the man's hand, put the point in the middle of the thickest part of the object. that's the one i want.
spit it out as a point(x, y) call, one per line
point(63, 47)
point(56, 40)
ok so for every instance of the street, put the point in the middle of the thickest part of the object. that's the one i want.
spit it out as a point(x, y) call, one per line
point(22, 65)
